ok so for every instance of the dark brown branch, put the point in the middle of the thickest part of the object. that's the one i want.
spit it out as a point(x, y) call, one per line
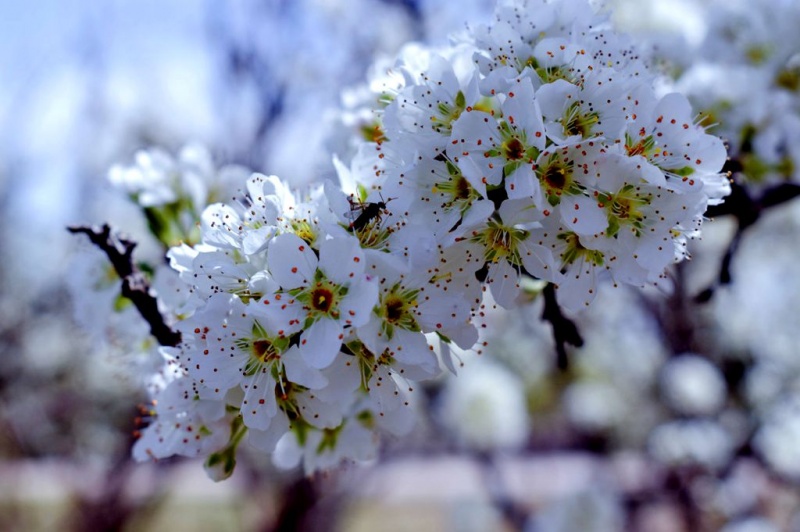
point(564, 329)
point(134, 284)
point(746, 209)
point(515, 515)
point(298, 501)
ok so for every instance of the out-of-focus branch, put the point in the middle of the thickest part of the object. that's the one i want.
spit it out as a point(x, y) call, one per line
point(514, 514)
point(112, 507)
point(564, 329)
point(746, 209)
point(134, 284)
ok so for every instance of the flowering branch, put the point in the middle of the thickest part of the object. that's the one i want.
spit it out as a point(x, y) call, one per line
point(134, 284)
point(310, 316)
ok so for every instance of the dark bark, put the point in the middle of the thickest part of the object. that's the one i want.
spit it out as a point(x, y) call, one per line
point(746, 209)
point(564, 329)
point(134, 283)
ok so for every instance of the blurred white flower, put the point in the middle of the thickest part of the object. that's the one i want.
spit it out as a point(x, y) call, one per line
point(764, 382)
point(751, 524)
point(695, 442)
point(485, 406)
point(594, 405)
point(589, 511)
point(777, 440)
point(668, 17)
point(692, 385)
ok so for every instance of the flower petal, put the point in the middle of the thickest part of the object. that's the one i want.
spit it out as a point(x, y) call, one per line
point(291, 261)
point(356, 307)
point(300, 373)
point(342, 259)
point(321, 342)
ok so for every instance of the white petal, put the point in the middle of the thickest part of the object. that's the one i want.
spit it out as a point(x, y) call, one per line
point(337, 200)
point(578, 288)
point(411, 348)
point(538, 261)
point(257, 240)
point(288, 453)
point(181, 259)
point(465, 336)
point(281, 316)
point(320, 343)
point(525, 112)
point(344, 378)
point(342, 259)
point(383, 391)
point(319, 413)
point(711, 153)
point(475, 174)
point(291, 261)
point(356, 307)
point(446, 354)
point(480, 211)
point(503, 282)
point(583, 215)
point(265, 440)
point(651, 173)
point(300, 373)
point(674, 105)
point(221, 226)
point(370, 333)
point(259, 405)
point(554, 97)
point(522, 183)
point(518, 211)
point(655, 252)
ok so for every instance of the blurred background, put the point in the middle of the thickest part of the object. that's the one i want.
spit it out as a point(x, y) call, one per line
point(680, 412)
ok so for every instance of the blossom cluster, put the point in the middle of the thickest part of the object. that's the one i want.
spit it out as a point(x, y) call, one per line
point(173, 191)
point(755, 46)
point(533, 147)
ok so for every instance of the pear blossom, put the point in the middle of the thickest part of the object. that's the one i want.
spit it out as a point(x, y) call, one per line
point(693, 385)
point(252, 349)
point(409, 305)
point(581, 267)
point(328, 293)
point(488, 150)
point(506, 245)
point(423, 113)
point(183, 424)
point(754, 46)
point(175, 191)
point(485, 406)
point(596, 108)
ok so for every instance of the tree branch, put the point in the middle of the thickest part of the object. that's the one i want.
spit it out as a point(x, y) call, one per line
point(134, 284)
point(564, 329)
point(746, 209)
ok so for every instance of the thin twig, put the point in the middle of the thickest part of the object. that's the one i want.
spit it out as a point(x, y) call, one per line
point(564, 329)
point(134, 284)
point(515, 515)
point(746, 209)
